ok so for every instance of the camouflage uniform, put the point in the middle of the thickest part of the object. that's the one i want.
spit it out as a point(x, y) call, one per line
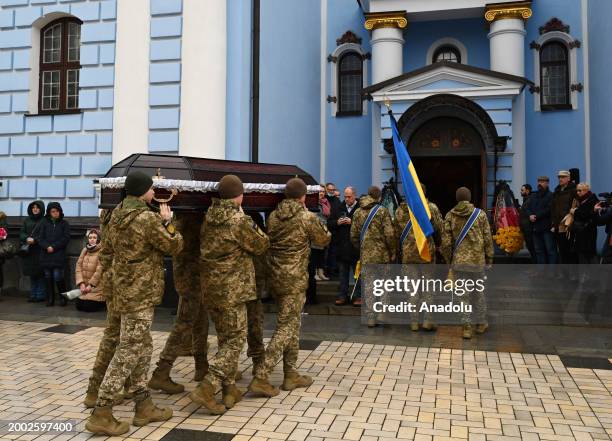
point(411, 256)
point(228, 241)
point(379, 245)
point(469, 259)
point(292, 230)
point(134, 247)
point(191, 325)
point(255, 313)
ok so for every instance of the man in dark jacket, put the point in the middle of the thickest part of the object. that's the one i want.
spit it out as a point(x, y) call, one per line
point(524, 223)
point(331, 264)
point(603, 216)
point(583, 229)
point(53, 238)
point(562, 199)
point(347, 255)
point(539, 216)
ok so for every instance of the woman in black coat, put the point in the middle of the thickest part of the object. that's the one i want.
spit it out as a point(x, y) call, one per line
point(30, 260)
point(53, 238)
point(584, 229)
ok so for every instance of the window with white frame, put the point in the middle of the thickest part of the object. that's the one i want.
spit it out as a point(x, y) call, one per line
point(447, 49)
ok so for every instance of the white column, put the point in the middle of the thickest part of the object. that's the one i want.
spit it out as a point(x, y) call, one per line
point(387, 53)
point(203, 79)
point(507, 46)
point(131, 95)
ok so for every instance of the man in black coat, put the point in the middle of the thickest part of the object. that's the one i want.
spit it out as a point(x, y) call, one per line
point(524, 222)
point(331, 264)
point(562, 200)
point(347, 255)
point(53, 238)
point(539, 216)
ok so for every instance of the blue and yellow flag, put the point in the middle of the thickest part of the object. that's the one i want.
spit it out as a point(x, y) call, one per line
point(419, 209)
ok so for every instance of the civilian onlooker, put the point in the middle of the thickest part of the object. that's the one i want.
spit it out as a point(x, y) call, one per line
point(317, 254)
point(584, 229)
point(524, 222)
point(603, 216)
point(30, 258)
point(539, 216)
point(334, 203)
point(562, 199)
point(53, 238)
point(347, 254)
point(88, 275)
point(4, 252)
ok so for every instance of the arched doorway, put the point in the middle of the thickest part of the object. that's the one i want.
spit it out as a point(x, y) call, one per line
point(448, 138)
point(448, 153)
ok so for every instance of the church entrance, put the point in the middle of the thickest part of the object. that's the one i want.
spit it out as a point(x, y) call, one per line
point(447, 153)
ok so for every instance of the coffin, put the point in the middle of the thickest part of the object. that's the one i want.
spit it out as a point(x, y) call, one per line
point(192, 182)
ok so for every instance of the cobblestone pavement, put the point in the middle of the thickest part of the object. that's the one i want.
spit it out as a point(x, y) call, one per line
point(361, 391)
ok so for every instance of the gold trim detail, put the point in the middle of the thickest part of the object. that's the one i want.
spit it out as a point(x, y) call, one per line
point(500, 11)
point(394, 19)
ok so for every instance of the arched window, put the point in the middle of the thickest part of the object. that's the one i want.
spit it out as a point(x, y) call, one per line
point(554, 76)
point(447, 53)
point(350, 83)
point(60, 64)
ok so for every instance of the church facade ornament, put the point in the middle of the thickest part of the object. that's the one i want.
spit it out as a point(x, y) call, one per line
point(499, 11)
point(393, 19)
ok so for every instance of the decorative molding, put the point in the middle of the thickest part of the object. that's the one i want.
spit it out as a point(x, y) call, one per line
point(366, 56)
point(348, 37)
point(577, 87)
point(534, 89)
point(332, 99)
point(575, 44)
point(447, 42)
point(534, 45)
point(392, 19)
point(554, 24)
point(499, 11)
point(332, 59)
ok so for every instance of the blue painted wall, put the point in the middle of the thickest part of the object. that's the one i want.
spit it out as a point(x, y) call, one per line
point(421, 35)
point(348, 138)
point(55, 157)
point(555, 140)
point(165, 90)
point(290, 83)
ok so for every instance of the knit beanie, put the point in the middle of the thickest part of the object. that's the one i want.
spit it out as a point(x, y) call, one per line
point(137, 183)
point(463, 194)
point(230, 186)
point(295, 188)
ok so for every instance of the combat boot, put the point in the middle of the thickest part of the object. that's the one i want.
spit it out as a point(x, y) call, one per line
point(204, 395)
point(201, 367)
point(160, 380)
point(414, 327)
point(263, 387)
point(102, 422)
point(481, 328)
point(371, 322)
point(231, 395)
point(467, 331)
point(293, 380)
point(429, 326)
point(147, 412)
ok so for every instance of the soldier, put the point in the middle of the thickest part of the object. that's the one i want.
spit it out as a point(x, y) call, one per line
point(136, 240)
point(191, 324)
point(373, 233)
point(292, 230)
point(467, 245)
point(228, 240)
point(110, 337)
point(411, 256)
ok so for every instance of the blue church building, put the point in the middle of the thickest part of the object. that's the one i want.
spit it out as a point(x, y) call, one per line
point(483, 91)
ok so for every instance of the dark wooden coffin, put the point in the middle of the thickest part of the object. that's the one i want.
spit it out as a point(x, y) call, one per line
point(180, 172)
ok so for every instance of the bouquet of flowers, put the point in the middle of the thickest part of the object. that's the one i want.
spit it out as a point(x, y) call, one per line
point(507, 235)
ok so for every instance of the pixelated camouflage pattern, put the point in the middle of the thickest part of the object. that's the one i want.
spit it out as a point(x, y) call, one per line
point(106, 349)
point(380, 243)
point(134, 246)
point(410, 251)
point(285, 341)
point(477, 247)
point(228, 240)
point(292, 230)
point(231, 326)
point(132, 357)
point(476, 299)
point(106, 280)
point(189, 334)
point(255, 323)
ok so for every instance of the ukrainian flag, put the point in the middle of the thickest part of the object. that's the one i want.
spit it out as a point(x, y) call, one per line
point(419, 209)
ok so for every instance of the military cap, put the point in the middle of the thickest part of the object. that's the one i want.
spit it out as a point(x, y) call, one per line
point(230, 186)
point(463, 194)
point(374, 192)
point(563, 173)
point(543, 179)
point(295, 188)
point(137, 183)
